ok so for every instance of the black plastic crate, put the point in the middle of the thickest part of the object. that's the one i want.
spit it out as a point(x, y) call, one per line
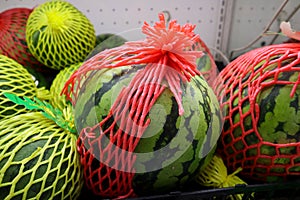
point(289, 190)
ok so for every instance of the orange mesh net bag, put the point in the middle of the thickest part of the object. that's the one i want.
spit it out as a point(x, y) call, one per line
point(260, 94)
point(126, 92)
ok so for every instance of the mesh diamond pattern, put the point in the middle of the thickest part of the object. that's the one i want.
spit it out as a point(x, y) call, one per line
point(259, 92)
point(206, 64)
point(57, 99)
point(38, 159)
point(14, 78)
point(12, 38)
point(166, 61)
point(59, 35)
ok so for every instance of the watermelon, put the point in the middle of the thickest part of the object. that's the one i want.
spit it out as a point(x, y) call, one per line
point(182, 138)
point(38, 159)
point(59, 35)
point(147, 118)
point(106, 41)
point(259, 92)
point(206, 63)
point(14, 78)
point(58, 100)
point(13, 44)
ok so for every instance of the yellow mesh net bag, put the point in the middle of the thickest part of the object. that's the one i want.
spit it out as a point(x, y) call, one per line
point(38, 153)
point(13, 44)
point(14, 78)
point(59, 35)
point(215, 175)
point(58, 100)
point(38, 159)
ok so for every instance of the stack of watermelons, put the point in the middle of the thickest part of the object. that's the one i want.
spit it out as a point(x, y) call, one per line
point(94, 116)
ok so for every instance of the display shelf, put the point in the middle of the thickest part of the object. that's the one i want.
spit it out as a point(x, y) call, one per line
point(224, 25)
point(249, 19)
point(125, 17)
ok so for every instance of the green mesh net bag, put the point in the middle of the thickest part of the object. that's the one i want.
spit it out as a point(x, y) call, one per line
point(14, 78)
point(38, 154)
point(59, 35)
point(58, 100)
point(13, 43)
point(260, 94)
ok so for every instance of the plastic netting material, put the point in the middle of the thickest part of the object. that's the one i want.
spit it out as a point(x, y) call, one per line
point(38, 159)
point(209, 72)
point(57, 100)
point(215, 175)
point(260, 93)
point(59, 35)
point(12, 37)
point(14, 78)
point(162, 48)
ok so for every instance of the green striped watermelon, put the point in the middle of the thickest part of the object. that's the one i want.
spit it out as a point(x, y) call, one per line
point(106, 41)
point(59, 35)
point(173, 147)
point(260, 94)
point(38, 159)
point(147, 118)
point(14, 78)
point(13, 44)
point(58, 100)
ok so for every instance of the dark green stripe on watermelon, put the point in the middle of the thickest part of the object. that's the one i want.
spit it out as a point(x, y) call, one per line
point(180, 168)
point(95, 100)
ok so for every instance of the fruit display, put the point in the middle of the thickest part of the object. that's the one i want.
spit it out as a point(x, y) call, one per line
point(86, 113)
point(260, 94)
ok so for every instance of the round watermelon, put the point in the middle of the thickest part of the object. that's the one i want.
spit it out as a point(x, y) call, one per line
point(106, 41)
point(147, 118)
point(14, 78)
point(57, 99)
point(59, 35)
point(260, 94)
point(38, 159)
point(172, 147)
point(206, 63)
point(13, 43)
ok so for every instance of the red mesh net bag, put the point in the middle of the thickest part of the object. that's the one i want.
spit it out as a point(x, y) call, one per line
point(260, 94)
point(165, 59)
point(208, 68)
point(13, 41)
